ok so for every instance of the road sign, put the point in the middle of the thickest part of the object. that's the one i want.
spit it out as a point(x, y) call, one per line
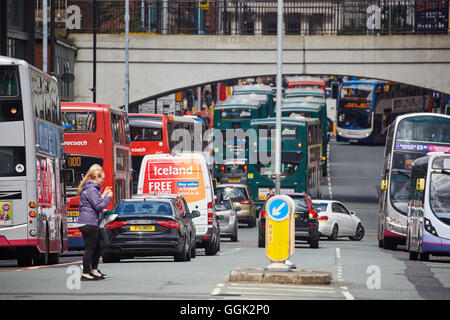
point(280, 232)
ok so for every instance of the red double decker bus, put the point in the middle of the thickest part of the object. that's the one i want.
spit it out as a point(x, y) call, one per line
point(149, 135)
point(94, 133)
point(306, 82)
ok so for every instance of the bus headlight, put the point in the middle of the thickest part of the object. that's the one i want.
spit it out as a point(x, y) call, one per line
point(429, 227)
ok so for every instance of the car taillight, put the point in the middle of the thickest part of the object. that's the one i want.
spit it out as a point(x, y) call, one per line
point(323, 218)
point(116, 224)
point(223, 169)
point(245, 167)
point(169, 224)
point(263, 214)
point(312, 214)
point(244, 202)
point(210, 213)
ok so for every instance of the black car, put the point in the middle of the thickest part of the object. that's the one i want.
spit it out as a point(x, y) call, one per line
point(149, 227)
point(184, 208)
point(306, 221)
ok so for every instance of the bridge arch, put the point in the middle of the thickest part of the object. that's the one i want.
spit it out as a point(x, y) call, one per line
point(161, 64)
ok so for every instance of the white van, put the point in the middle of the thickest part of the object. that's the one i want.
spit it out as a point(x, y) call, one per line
point(186, 174)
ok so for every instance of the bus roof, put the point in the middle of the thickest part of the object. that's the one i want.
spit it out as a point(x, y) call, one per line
point(256, 88)
point(86, 106)
point(370, 82)
point(296, 121)
point(145, 122)
point(305, 107)
point(304, 92)
point(304, 78)
point(240, 101)
point(303, 101)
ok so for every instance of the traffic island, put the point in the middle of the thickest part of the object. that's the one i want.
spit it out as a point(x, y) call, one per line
point(292, 276)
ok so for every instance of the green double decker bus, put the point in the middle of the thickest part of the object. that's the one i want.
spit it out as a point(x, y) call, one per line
point(301, 150)
point(310, 109)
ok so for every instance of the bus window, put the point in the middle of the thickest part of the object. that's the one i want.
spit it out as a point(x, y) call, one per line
point(80, 121)
point(146, 134)
point(11, 160)
point(399, 191)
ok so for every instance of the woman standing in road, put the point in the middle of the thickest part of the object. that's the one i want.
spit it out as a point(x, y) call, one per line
point(92, 204)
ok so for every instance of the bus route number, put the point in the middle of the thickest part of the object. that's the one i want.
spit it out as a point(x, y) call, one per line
point(74, 161)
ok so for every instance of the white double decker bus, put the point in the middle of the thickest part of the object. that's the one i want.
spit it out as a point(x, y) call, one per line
point(409, 137)
point(428, 230)
point(33, 222)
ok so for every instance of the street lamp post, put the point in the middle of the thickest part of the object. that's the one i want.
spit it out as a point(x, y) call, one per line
point(279, 97)
point(127, 31)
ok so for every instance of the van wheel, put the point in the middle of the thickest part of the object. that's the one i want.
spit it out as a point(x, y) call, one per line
point(211, 249)
point(193, 253)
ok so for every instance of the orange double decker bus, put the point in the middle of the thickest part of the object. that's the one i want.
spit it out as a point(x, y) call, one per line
point(94, 134)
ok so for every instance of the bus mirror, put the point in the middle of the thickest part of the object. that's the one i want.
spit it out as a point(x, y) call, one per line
point(384, 185)
point(420, 184)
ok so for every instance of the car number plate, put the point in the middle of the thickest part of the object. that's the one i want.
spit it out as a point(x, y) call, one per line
point(142, 228)
point(234, 179)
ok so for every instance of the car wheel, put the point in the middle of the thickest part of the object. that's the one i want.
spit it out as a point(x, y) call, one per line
point(109, 257)
point(183, 255)
point(314, 242)
point(359, 234)
point(334, 233)
point(234, 236)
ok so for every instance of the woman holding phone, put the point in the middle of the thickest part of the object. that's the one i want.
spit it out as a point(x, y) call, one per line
point(92, 204)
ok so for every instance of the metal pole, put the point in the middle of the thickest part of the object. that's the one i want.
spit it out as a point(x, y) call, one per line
point(127, 31)
point(44, 35)
point(52, 37)
point(94, 62)
point(165, 17)
point(279, 88)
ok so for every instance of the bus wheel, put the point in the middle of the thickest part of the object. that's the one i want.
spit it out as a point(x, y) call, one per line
point(42, 258)
point(24, 257)
point(413, 255)
point(390, 244)
point(53, 258)
point(423, 256)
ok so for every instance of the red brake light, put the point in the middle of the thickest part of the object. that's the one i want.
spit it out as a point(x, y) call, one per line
point(323, 218)
point(244, 202)
point(169, 224)
point(263, 213)
point(245, 167)
point(116, 224)
point(210, 213)
point(312, 214)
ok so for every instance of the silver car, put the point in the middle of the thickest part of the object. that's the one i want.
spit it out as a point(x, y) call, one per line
point(228, 222)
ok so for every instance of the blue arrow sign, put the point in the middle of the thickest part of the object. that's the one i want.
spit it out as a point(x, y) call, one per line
point(278, 210)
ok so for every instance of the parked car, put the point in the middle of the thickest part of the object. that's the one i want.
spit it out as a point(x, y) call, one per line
point(185, 212)
point(228, 222)
point(306, 221)
point(149, 227)
point(240, 197)
point(233, 171)
point(336, 221)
